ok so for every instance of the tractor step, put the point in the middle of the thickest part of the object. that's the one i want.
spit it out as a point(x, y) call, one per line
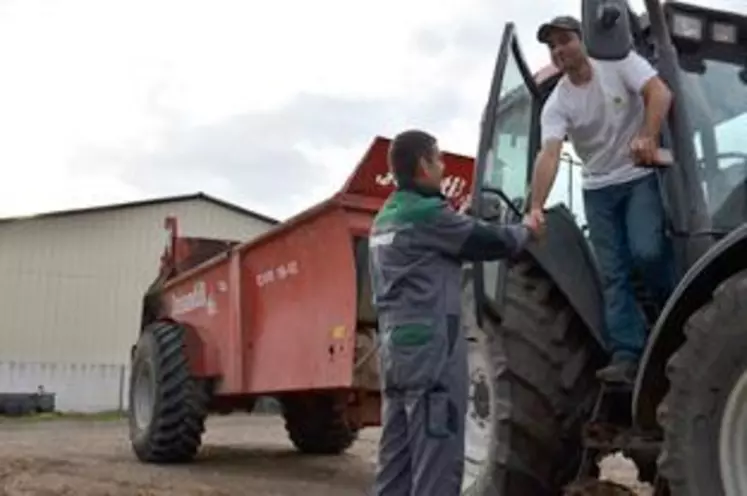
point(609, 430)
point(595, 487)
point(609, 438)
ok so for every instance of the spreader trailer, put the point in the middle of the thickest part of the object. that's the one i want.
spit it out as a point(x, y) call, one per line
point(288, 315)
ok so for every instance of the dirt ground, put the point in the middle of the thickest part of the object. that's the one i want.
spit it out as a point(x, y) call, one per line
point(242, 455)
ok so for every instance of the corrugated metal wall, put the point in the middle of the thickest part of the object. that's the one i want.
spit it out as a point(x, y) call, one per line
point(71, 289)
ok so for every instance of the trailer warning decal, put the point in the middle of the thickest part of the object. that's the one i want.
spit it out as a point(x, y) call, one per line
point(198, 297)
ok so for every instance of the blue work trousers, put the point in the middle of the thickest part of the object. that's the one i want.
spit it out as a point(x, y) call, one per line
point(627, 230)
point(424, 405)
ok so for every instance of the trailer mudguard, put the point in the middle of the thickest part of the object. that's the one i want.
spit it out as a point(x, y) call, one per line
point(694, 290)
point(565, 255)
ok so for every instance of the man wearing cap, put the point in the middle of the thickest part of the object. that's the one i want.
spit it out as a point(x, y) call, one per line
point(612, 112)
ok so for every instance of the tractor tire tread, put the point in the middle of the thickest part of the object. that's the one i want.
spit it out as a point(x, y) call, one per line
point(542, 355)
point(316, 423)
point(706, 332)
point(181, 403)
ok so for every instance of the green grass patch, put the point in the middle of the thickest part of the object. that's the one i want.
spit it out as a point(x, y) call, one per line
point(45, 417)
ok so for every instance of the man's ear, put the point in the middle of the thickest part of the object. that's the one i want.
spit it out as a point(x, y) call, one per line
point(421, 168)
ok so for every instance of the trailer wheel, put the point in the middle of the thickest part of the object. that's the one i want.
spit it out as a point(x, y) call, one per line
point(532, 387)
point(316, 423)
point(167, 407)
point(704, 414)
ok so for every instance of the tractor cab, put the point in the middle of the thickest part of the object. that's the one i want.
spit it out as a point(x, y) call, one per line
point(536, 420)
point(706, 67)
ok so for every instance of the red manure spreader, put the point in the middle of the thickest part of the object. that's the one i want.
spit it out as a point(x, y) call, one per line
point(287, 315)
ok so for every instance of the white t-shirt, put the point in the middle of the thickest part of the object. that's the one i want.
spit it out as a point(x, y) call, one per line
point(601, 118)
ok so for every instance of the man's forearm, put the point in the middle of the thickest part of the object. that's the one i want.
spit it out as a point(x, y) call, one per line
point(545, 170)
point(487, 242)
point(657, 101)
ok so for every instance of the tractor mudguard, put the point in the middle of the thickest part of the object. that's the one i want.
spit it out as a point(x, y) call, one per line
point(694, 289)
point(572, 267)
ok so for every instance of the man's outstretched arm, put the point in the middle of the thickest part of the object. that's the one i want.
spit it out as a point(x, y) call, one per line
point(545, 171)
point(554, 126)
point(470, 239)
point(489, 242)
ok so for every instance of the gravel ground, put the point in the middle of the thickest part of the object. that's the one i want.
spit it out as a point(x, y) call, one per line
point(241, 455)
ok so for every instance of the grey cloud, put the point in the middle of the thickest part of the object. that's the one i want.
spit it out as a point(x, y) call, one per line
point(252, 158)
point(477, 34)
point(430, 42)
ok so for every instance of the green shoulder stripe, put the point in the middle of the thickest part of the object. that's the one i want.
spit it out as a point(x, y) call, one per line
point(404, 207)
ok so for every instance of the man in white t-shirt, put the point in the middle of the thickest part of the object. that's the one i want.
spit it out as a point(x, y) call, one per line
point(612, 112)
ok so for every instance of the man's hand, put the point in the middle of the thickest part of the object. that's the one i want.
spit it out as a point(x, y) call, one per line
point(464, 208)
point(535, 221)
point(644, 149)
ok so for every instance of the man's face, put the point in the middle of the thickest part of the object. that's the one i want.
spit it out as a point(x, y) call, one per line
point(432, 168)
point(566, 49)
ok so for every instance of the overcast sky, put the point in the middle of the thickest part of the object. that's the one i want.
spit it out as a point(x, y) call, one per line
point(266, 104)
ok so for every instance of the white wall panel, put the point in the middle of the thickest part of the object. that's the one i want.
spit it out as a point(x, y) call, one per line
point(77, 387)
point(71, 288)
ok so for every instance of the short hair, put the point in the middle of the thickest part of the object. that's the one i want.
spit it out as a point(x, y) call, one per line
point(405, 152)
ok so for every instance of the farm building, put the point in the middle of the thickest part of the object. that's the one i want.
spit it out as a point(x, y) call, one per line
point(71, 286)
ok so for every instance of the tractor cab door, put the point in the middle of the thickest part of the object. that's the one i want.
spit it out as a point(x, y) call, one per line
point(509, 138)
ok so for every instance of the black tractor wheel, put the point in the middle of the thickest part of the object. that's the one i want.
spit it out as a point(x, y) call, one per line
point(532, 387)
point(167, 406)
point(316, 423)
point(704, 414)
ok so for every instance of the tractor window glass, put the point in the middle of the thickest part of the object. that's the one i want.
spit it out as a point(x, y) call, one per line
point(718, 108)
point(508, 159)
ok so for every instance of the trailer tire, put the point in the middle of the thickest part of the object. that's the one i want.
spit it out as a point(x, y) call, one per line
point(316, 423)
point(167, 407)
point(540, 364)
point(702, 374)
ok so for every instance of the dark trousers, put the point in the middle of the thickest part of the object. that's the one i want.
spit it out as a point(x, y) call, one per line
point(626, 229)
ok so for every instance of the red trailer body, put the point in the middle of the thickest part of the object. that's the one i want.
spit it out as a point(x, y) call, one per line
point(280, 313)
point(287, 314)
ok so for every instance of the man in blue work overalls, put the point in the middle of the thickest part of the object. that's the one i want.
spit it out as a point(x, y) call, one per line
point(418, 243)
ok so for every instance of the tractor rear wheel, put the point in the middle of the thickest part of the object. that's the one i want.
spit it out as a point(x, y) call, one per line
point(316, 423)
point(167, 406)
point(532, 387)
point(704, 414)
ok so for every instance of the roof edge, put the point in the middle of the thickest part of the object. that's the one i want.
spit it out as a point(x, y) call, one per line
point(143, 203)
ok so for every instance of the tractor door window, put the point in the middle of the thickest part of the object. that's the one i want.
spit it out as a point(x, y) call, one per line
point(507, 137)
point(508, 163)
point(718, 99)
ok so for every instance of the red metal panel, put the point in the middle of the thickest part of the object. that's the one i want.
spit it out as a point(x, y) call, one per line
point(299, 307)
point(207, 299)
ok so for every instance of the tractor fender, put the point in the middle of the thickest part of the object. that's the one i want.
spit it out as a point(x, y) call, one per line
point(565, 255)
point(723, 259)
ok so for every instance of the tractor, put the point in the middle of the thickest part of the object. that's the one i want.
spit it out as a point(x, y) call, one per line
point(538, 417)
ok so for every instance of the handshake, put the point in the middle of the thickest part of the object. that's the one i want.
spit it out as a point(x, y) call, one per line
point(535, 222)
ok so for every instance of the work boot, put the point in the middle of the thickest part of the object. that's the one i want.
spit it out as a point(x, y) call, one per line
point(619, 371)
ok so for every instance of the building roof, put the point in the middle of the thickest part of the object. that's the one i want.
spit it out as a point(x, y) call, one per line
point(145, 203)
